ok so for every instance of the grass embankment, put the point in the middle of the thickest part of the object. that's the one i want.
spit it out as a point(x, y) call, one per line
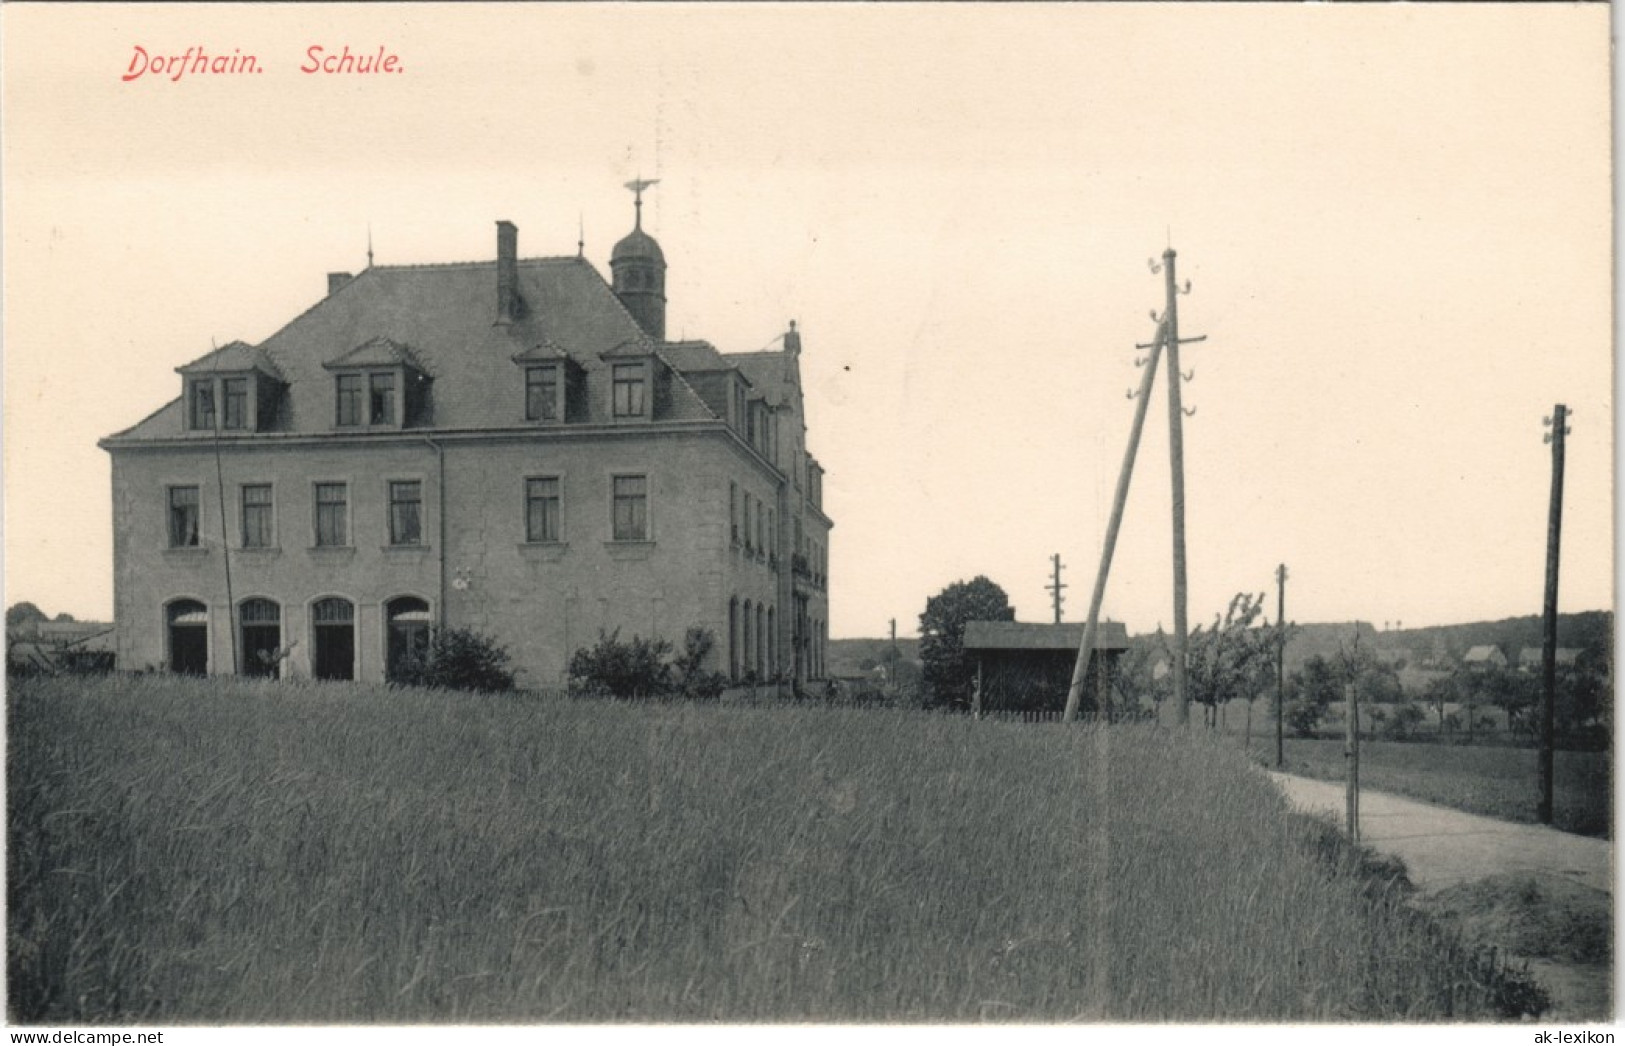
point(1480, 779)
point(231, 852)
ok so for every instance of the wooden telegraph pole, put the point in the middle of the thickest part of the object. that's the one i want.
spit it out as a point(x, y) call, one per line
point(1558, 423)
point(1055, 586)
point(1280, 665)
point(1176, 454)
point(1086, 649)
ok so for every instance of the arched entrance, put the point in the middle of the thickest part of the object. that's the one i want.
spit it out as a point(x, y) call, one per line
point(408, 640)
point(188, 622)
point(333, 621)
point(261, 623)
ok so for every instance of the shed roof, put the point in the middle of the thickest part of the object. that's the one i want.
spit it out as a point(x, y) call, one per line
point(1017, 635)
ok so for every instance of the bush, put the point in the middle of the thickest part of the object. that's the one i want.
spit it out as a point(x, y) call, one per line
point(693, 680)
point(460, 659)
point(645, 668)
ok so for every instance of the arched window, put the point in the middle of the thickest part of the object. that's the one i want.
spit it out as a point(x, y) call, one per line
point(333, 621)
point(260, 622)
point(188, 622)
point(749, 661)
point(761, 643)
point(733, 638)
point(772, 644)
point(408, 640)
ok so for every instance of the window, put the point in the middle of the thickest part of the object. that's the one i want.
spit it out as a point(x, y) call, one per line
point(349, 399)
point(257, 515)
point(332, 524)
point(261, 641)
point(542, 509)
point(631, 508)
point(202, 404)
point(542, 393)
point(408, 642)
point(188, 637)
point(235, 395)
point(381, 399)
point(772, 534)
point(733, 513)
point(333, 621)
point(405, 512)
point(183, 517)
point(629, 390)
point(748, 546)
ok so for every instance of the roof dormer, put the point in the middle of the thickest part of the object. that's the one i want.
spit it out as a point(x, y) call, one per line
point(555, 384)
point(639, 383)
point(379, 384)
point(232, 389)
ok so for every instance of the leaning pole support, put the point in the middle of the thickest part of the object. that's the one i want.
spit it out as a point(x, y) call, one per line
point(1080, 670)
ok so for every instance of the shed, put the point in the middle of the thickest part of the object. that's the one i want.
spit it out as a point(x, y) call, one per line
point(1023, 667)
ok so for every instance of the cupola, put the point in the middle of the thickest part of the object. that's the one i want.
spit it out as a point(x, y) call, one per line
point(638, 268)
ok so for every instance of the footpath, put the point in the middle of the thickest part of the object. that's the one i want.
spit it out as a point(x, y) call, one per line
point(1442, 847)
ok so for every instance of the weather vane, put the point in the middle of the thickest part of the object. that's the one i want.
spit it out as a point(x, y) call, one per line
point(637, 185)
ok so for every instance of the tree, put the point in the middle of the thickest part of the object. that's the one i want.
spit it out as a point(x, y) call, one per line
point(24, 613)
point(948, 674)
point(1230, 659)
point(1310, 692)
point(460, 659)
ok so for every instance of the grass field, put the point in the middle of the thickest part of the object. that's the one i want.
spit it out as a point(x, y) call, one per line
point(1495, 781)
point(183, 850)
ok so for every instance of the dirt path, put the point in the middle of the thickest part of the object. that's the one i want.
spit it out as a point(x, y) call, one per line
point(1442, 847)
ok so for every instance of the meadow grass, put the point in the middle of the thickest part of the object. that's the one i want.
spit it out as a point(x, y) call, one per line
point(240, 852)
point(1495, 781)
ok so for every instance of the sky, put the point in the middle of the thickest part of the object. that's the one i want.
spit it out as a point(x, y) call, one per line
point(1396, 221)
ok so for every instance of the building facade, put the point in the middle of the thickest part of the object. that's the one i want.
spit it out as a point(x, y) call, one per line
point(511, 446)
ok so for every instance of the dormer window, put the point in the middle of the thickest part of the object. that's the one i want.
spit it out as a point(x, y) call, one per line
point(544, 393)
point(235, 400)
point(378, 384)
point(639, 386)
point(348, 409)
point(555, 384)
point(235, 388)
point(631, 390)
point(201, 404)
point(381, 398)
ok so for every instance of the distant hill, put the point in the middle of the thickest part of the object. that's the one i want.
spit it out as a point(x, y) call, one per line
point(1591, 630)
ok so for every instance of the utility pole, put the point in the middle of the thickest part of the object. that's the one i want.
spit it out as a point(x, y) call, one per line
point(1558, 423)
point(1176, 454)
point(1086, 648)
point(1280, 665)
point(891, 656)
point(1055, 586)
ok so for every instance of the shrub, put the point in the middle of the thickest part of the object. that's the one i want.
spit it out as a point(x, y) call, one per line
point(460, 659)
point(693, 680)
point(611, 668)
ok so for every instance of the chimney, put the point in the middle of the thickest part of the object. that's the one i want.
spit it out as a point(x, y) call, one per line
point(792, 340)
point(508, 304)
point(335, 280)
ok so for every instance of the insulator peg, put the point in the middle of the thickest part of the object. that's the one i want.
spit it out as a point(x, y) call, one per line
point(1132, 394)
point(1190, 412)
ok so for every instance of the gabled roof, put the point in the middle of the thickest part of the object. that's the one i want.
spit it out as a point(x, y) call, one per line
point(1484, 653)
point(232, 357)
point(770, 372)
point(376, 352)
point(695, 356)
point(446, 314)
point(544, 351)
point(1018, 635)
